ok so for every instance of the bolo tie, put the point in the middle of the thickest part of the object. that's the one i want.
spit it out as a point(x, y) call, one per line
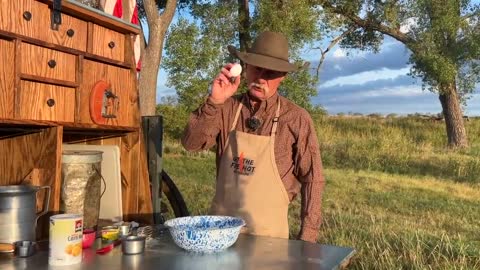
point(253, 123)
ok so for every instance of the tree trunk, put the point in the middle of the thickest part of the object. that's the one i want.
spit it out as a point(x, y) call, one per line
point(456, 133)
point(244, 23)
point(152, 55)
point(148, 76)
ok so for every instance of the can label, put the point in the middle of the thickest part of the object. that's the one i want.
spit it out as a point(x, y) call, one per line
point(66, 233)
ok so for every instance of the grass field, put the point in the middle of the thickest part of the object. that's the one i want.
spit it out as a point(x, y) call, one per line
point(393, 192)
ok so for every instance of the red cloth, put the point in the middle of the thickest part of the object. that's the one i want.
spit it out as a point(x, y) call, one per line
point(115, 8)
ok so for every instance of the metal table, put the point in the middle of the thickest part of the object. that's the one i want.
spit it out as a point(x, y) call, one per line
point(249, 252)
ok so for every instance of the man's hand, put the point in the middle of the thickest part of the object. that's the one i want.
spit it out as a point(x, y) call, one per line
point(222, 88)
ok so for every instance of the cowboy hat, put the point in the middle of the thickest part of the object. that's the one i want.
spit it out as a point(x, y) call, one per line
point(269, 50)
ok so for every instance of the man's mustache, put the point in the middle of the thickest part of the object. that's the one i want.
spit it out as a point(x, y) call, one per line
point(258, 85)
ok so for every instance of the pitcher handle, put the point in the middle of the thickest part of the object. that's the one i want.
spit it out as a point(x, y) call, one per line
point(46, 201)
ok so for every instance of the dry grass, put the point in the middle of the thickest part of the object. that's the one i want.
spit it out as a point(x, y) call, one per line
point(393, 192)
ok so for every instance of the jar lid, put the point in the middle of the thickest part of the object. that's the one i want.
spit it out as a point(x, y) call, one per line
point(76, 156)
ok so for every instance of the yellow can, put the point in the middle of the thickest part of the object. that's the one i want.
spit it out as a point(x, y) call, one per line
point(66, 232)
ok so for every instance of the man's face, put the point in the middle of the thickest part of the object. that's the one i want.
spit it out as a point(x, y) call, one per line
point(263, 83)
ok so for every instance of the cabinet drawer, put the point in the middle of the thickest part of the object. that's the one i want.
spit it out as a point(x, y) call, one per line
point(122, 83)
point(47, 63)
point(108, 43)
point(32, 19)
point(39, 101)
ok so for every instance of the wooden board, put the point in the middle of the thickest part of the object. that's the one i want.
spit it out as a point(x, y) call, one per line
point(97, 16)
point(7, 78)
point(20, 155)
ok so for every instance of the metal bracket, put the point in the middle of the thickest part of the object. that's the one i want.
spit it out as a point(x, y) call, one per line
point(56, 15)
point(110, 104)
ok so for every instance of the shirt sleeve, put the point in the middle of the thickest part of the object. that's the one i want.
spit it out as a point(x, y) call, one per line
point(203, 127)
point(309, 170)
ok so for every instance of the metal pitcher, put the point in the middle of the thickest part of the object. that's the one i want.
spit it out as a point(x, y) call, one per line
point(18, 212)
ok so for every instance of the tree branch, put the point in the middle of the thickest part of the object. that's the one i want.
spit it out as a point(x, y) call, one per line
point(330, 46)
point(151, 11)
point(369, 24)
point(473, 14)
point(169, 11)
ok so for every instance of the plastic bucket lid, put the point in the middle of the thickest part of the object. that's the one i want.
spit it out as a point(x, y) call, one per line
point(75, 156)
point(66, 216)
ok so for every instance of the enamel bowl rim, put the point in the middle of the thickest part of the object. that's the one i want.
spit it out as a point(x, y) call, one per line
point(177, 227)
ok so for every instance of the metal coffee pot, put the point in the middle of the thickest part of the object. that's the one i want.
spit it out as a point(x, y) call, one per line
point(18, 212)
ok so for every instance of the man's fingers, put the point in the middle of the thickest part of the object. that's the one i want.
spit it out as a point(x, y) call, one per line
point(222, 79)
point(226, 72)
point(237, 81)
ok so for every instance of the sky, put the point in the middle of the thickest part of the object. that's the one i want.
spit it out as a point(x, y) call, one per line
point(365, 82)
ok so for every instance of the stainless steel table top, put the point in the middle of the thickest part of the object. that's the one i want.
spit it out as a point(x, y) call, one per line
point(249, 252)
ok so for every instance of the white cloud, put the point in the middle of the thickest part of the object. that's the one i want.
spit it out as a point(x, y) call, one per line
point(338, 53)
point(367, 76)
point(399, 91)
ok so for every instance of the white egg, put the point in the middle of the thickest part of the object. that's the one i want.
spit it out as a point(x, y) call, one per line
point(235, 70)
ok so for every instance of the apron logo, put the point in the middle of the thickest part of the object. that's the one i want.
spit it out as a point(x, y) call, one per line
point(243, 165)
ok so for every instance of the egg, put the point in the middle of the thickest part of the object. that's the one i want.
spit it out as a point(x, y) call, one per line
point(235, 70)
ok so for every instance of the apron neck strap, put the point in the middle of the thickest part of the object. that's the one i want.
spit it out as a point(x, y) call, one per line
point(236, 117)
point(275, 120)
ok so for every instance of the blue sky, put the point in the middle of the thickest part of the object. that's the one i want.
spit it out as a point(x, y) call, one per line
point(365, 82)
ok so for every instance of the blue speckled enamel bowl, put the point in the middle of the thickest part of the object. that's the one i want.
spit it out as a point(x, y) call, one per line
point(205, 233)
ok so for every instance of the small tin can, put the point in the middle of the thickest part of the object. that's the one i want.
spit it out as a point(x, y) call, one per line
point(66, 232)
point(124, 229)
point(110, 233)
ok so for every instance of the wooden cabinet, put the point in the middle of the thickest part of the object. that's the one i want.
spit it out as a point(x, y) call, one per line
point(84, 50)
point(47, 82)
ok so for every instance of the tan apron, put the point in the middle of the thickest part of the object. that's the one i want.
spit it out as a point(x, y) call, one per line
point(249, 185)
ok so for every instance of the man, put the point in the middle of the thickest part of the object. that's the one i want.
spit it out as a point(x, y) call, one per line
point(267, 149)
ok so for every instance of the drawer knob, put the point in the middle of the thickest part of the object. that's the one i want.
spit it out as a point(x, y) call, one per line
point(50, 102)
point(111, 44)
point(52, 63)
point(70, 32)
point(27, 15)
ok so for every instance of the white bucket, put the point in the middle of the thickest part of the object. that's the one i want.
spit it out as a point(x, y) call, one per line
point(66, 232)
point(81, 185)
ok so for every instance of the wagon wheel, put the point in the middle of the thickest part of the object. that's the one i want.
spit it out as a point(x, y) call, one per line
point(174, 197)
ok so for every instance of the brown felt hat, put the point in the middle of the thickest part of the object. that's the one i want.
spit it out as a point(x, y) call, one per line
point(269, 50)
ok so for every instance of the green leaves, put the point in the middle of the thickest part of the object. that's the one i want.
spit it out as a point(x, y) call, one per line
point(297, 19)
point(196, 48)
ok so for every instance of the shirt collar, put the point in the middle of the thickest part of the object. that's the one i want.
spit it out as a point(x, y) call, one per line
point(265, 105)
